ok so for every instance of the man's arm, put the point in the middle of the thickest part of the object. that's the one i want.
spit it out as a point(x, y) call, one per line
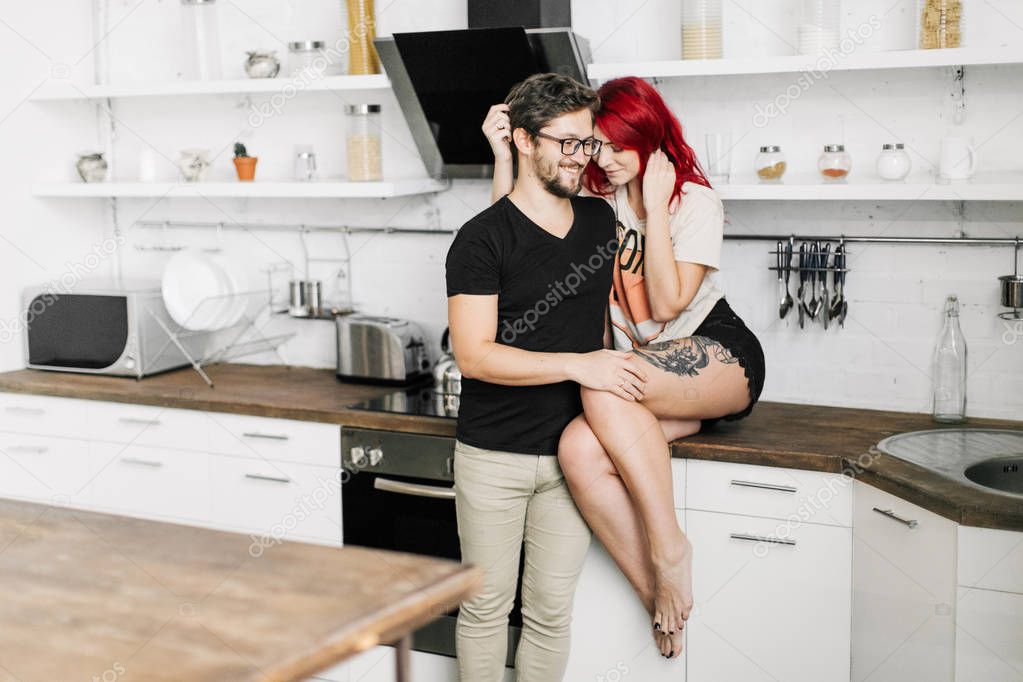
point(473, 324)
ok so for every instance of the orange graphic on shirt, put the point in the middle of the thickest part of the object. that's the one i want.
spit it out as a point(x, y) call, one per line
point(630, 307)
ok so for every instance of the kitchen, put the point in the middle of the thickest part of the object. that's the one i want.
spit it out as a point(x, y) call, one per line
point(903, 567)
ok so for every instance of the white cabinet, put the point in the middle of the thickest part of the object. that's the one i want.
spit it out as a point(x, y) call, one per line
point(989, 611)
point(612, 635)
point(163, 427)
point(157, 483)
point(44, 415)
point(378, 665)
point(769, 492)
point(767, 611)
point(989, 636)
point(42, 469)
point(283, 440)
point(277, 500)
point(903, 590)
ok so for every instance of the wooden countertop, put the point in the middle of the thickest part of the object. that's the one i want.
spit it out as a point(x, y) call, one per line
point(93, 596)
point(819, 438)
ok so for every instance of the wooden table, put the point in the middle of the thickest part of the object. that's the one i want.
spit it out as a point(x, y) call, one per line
point(95, 596)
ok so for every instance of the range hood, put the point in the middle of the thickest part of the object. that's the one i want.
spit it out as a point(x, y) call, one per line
point(445, 82)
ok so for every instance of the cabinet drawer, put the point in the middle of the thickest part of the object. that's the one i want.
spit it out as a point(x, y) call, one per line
point(282, 440)
point(163, 427)
point(765, 611)
point(277, 500)
point(989, 629)
point(770, 492)
point(49, 470)
point(150, 482)
point(991, 559)
point(44, 415)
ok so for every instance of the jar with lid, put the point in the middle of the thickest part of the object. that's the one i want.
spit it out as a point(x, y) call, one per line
point(701, 29)
point(940, 23)
point(770, 164)
point(834, 163)
point(819, 26)
point(363, 146)
point(200, 43)
point(312, 58)
point(893, 163)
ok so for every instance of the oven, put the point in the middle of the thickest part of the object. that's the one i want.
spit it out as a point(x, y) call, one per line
point(399, 496)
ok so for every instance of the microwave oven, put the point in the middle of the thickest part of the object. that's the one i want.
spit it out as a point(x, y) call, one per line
point(109, 327)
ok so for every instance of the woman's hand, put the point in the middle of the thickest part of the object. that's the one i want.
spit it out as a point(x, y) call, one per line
point(497, 128)
point(658, 182)
point(610, 370)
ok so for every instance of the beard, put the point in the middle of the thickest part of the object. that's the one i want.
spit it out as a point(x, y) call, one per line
point(547, 172)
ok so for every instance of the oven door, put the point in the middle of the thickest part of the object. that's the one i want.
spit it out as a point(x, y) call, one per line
point(405, 502)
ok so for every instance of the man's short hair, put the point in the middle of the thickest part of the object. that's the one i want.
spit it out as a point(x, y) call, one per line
point(543, 97)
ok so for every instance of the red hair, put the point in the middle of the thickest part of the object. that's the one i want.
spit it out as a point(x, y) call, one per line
point(634, 116)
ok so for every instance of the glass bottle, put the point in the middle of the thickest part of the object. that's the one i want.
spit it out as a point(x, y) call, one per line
point(200, 40)
point(949, 372)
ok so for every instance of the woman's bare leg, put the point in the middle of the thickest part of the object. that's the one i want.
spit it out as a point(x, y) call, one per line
point(688, 379)
point(609, 510)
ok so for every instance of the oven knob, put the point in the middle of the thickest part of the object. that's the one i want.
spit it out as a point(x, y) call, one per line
point(358, 456)
point(129, 362)
point(375, 455)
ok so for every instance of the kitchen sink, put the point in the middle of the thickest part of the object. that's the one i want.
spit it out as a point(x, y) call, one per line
point(991, 459)
point(1003, 473)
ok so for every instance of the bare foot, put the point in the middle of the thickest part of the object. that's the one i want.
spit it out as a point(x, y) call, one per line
point(673, 590)
point(670, 646)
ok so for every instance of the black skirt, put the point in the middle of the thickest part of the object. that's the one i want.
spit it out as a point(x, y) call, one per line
point(728, 329)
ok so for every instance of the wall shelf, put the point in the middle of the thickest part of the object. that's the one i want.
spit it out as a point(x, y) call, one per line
point(61, 90)
point(864, 61)
point(244, 190)
point(988, 187)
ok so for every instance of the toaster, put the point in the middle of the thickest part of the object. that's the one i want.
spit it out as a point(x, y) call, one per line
point(381, 350)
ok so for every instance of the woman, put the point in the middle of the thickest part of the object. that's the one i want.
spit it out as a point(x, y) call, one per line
point(701, 361)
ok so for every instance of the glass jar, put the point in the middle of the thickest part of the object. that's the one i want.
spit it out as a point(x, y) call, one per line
point(940, 23)
point(834, 163)
point(311, 57)
point(893, 163)
point(819, 26)
point(363, 148)
point(701, 29)
point(200, 42)
point(770, 164)
point(363, 57)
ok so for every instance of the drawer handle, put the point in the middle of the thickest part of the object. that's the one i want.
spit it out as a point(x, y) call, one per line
point(35, 449)
point(761, 538)
point(415, 489)
point(895, 517)
point(766, 486)
point(264, 477)
point(139, 420)
point(268, 436)
point(16, 409)
point(142, 462)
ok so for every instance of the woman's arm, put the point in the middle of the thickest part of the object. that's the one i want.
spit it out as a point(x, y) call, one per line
point(497, 128)
point(670, 284)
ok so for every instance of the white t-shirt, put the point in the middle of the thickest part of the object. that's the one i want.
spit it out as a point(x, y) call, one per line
point(697, 233)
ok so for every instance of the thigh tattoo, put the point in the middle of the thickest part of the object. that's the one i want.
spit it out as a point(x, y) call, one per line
point(685, 357)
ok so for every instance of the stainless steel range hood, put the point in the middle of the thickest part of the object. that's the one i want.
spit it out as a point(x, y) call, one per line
point(445, 82)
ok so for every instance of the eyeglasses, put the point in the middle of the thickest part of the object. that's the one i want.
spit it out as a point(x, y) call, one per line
point(570, 145)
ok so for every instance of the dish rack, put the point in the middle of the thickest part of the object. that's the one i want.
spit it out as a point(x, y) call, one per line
point(243, 337)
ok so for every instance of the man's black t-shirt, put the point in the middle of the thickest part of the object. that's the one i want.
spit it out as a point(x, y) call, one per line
point(551, 297)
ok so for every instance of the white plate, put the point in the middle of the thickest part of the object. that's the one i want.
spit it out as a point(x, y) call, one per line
point(195, 291)
point(236, 303)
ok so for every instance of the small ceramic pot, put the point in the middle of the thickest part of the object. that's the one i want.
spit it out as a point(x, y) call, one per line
point(262, 65)
point(193, 164)
point(246, 167)
point(91, 167)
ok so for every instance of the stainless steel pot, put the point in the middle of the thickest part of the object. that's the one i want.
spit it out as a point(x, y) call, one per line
point(1012, 291)
point(447, 378)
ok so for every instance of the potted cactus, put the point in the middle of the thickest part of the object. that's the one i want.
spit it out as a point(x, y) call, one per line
point(244, 164)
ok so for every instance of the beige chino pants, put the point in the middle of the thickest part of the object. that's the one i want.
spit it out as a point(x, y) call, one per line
point(507, 501)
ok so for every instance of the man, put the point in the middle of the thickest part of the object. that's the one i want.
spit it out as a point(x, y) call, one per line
point(527, 281)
